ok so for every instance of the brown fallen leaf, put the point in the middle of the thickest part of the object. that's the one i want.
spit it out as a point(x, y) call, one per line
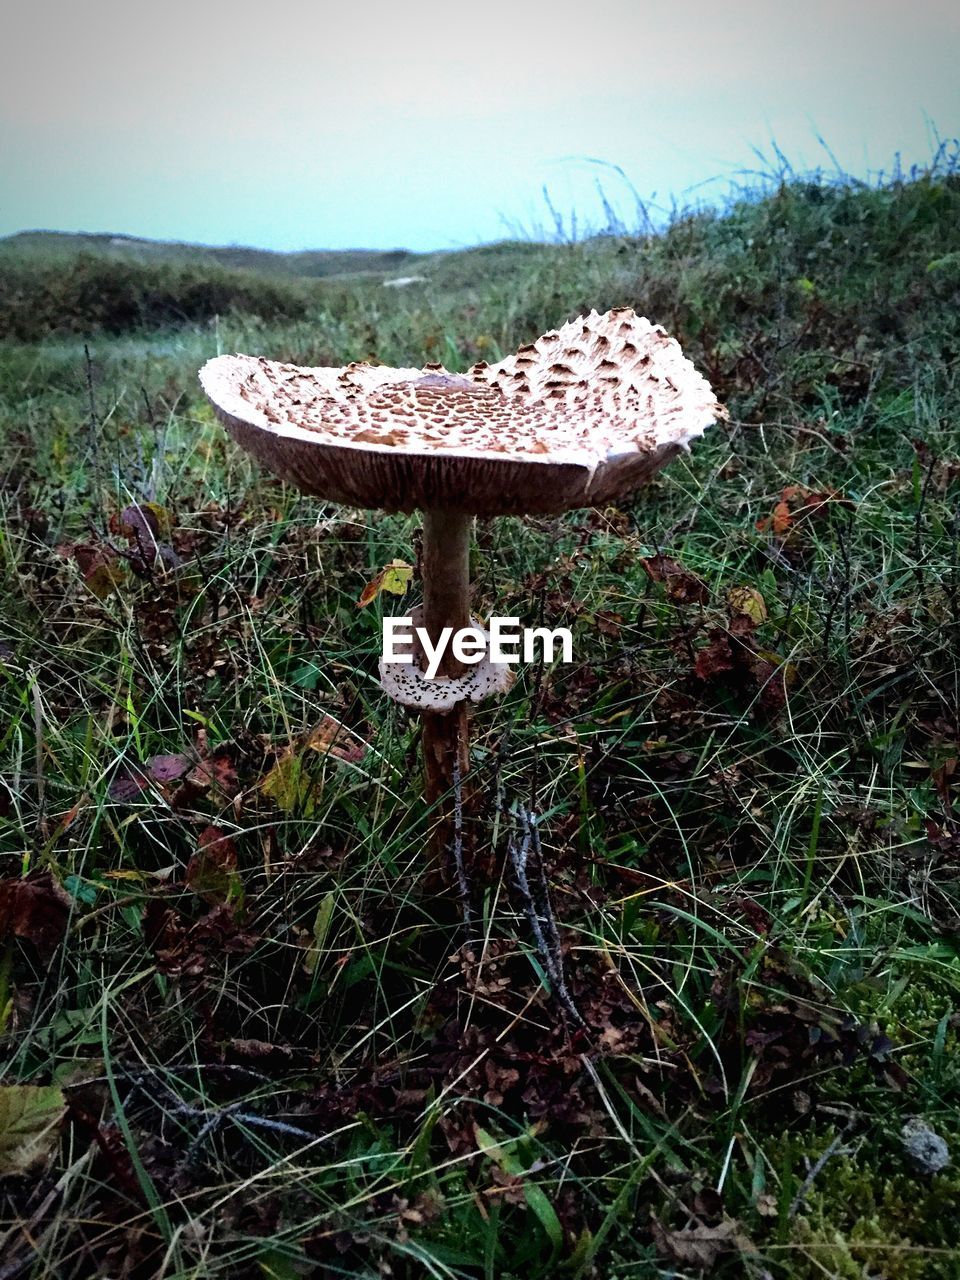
point(169, 768)
point(749, 603)
point(127, 784)
point(215, 772)
point(144, 525)
point(681, 586)
point(142, 520)
point(294, 783)
point(100, 566)
point(331, 737)
point(608, 623)
point(717, 657)
point(259, 1049)
point(707, 1203)
point(212, 871)
point(36, 909)
point(797, 505)
point(182, 948)
point(394, 578)
point(700, 1246)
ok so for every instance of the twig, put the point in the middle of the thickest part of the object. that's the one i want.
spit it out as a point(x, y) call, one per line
point(818, 1167)
point(543, 904)
point(463, 881)
point(539, 911)
point(952, 583)
point(213, 1121)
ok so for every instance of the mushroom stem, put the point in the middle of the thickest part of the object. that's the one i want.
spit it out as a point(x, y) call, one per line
point(445, 569)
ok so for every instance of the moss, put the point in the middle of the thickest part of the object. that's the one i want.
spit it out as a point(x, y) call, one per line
point(824, 1249)
point(916, 1015)
point(900, 1226)
point(867, 1213)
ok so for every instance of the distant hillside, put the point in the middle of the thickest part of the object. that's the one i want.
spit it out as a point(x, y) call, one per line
point(308, 263)
point(52, 282)
point(813, 265)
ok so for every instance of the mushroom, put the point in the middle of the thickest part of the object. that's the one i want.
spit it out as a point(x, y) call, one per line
point(584, 415)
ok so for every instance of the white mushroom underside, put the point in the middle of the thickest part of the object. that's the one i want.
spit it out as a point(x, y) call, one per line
point(597, 389)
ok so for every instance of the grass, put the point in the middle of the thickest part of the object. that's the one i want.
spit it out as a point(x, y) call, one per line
point(39, 247)
point(272, 1052)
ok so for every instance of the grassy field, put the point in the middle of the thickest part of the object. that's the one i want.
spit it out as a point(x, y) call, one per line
point(240, 1036)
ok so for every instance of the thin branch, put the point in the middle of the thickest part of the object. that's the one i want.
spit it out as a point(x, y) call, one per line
point(538, 909)
point(463, 881)
point(832, 1150)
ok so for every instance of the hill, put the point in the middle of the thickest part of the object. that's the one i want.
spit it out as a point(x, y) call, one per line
point(53, 283)
point(308, 263)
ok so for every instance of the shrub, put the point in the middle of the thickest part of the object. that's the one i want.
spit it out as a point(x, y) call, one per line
point(94, 294)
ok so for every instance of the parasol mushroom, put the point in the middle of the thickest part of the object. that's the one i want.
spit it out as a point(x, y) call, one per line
point(581, 417)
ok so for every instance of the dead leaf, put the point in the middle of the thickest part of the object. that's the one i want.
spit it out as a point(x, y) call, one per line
point(292, 783)
point(716, 658)
point(797, 505)
point(169, 768)
point(186, 949)
point(212, 871)
point(215, 771)
point(786, 671)
point(681, 586)
point(30, 1117)
point(780, 521)
point(127, 784)
point(394, 578)
point(291, 787)
point(321, 927)
point(707, 1203)
point(147, 520)
point(942, 778)
point(748, 602)
point(99, 566)
point(146, 525)
point(35, 908)
point(259, 1049)
point(332, 738)
point(700, 1246)
point(756, 915)
point(608, 623)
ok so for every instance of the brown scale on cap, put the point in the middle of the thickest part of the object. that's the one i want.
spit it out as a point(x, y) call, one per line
point(583, 415)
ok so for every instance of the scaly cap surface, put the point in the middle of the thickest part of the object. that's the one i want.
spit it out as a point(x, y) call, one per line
point(582, 416)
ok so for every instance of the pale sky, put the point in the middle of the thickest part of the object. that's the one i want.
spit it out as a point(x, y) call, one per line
point(377, 125)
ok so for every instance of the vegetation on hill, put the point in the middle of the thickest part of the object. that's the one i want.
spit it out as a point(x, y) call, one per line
point(132, 249)
point(52, 283)
point(241, 1035)
point(91, 295)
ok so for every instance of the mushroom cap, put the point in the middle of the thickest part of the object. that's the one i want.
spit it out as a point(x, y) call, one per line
point(581, 417)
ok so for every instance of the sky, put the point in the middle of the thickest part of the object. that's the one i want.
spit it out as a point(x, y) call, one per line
point(291, 125)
